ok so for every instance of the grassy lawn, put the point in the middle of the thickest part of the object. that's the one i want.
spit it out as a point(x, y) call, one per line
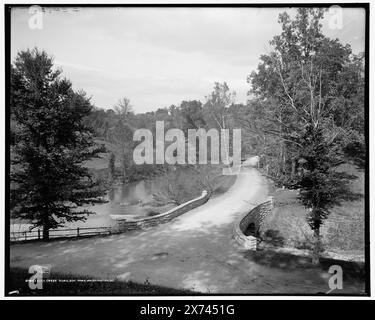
point(58, 284)
point(342, 232)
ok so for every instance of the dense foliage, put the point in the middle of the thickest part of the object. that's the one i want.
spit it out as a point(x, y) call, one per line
point(49, 145)
point(309, 103)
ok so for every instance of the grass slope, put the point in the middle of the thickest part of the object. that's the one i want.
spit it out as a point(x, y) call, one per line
point(342, 232)
point(102, 162)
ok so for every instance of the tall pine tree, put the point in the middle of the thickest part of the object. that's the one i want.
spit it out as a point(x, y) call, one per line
point(49, 145)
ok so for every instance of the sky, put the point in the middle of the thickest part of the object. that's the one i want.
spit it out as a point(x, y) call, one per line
point(157, 57)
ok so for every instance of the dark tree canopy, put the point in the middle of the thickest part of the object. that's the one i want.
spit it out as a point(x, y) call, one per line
point(49, 145)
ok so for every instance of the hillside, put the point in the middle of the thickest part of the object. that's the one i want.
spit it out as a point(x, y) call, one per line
point(102, 162)
point(342, 232)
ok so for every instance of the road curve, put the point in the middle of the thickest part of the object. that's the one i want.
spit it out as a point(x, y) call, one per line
point(195, 251)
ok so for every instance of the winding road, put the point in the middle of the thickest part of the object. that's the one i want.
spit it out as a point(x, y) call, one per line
point(195, 251)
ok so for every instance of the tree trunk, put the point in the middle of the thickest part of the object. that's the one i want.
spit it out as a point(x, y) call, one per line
point(45, 232)
point(316, 249)
point(293, 168)
point(111, 167)
point(46, 224)
point(123, 166)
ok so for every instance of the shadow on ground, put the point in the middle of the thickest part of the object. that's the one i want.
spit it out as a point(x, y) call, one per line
point(305, 272)
point(195, 252)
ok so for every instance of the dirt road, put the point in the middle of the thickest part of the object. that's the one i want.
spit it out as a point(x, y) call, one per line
point(196, 251)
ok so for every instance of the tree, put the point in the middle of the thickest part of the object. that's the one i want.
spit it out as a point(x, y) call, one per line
point(122, 134)
point(320, 186)
point(307, 78)
point(176, 187)
point(123, 108)
point(217, 113)
point(217, 105)
point(192, 114)
point(299, 87)
point(50, 143)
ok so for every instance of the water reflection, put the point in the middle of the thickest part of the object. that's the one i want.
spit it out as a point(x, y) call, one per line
point(123, 199)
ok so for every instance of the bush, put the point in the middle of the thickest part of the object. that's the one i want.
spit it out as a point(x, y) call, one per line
point(177, 186)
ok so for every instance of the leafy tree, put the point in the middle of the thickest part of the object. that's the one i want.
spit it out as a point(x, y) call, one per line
point(217, 106)
point(307, 78)
point(122, 133)
point(192, 114)
point(216, 110)
point(177, 186)
point(305, 91)
point(49, 145)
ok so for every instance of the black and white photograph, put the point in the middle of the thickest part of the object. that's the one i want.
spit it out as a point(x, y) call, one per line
point(166, 150)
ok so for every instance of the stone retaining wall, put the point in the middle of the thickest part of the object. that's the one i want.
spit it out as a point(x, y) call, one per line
point(254, 217)
point(126, 224)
